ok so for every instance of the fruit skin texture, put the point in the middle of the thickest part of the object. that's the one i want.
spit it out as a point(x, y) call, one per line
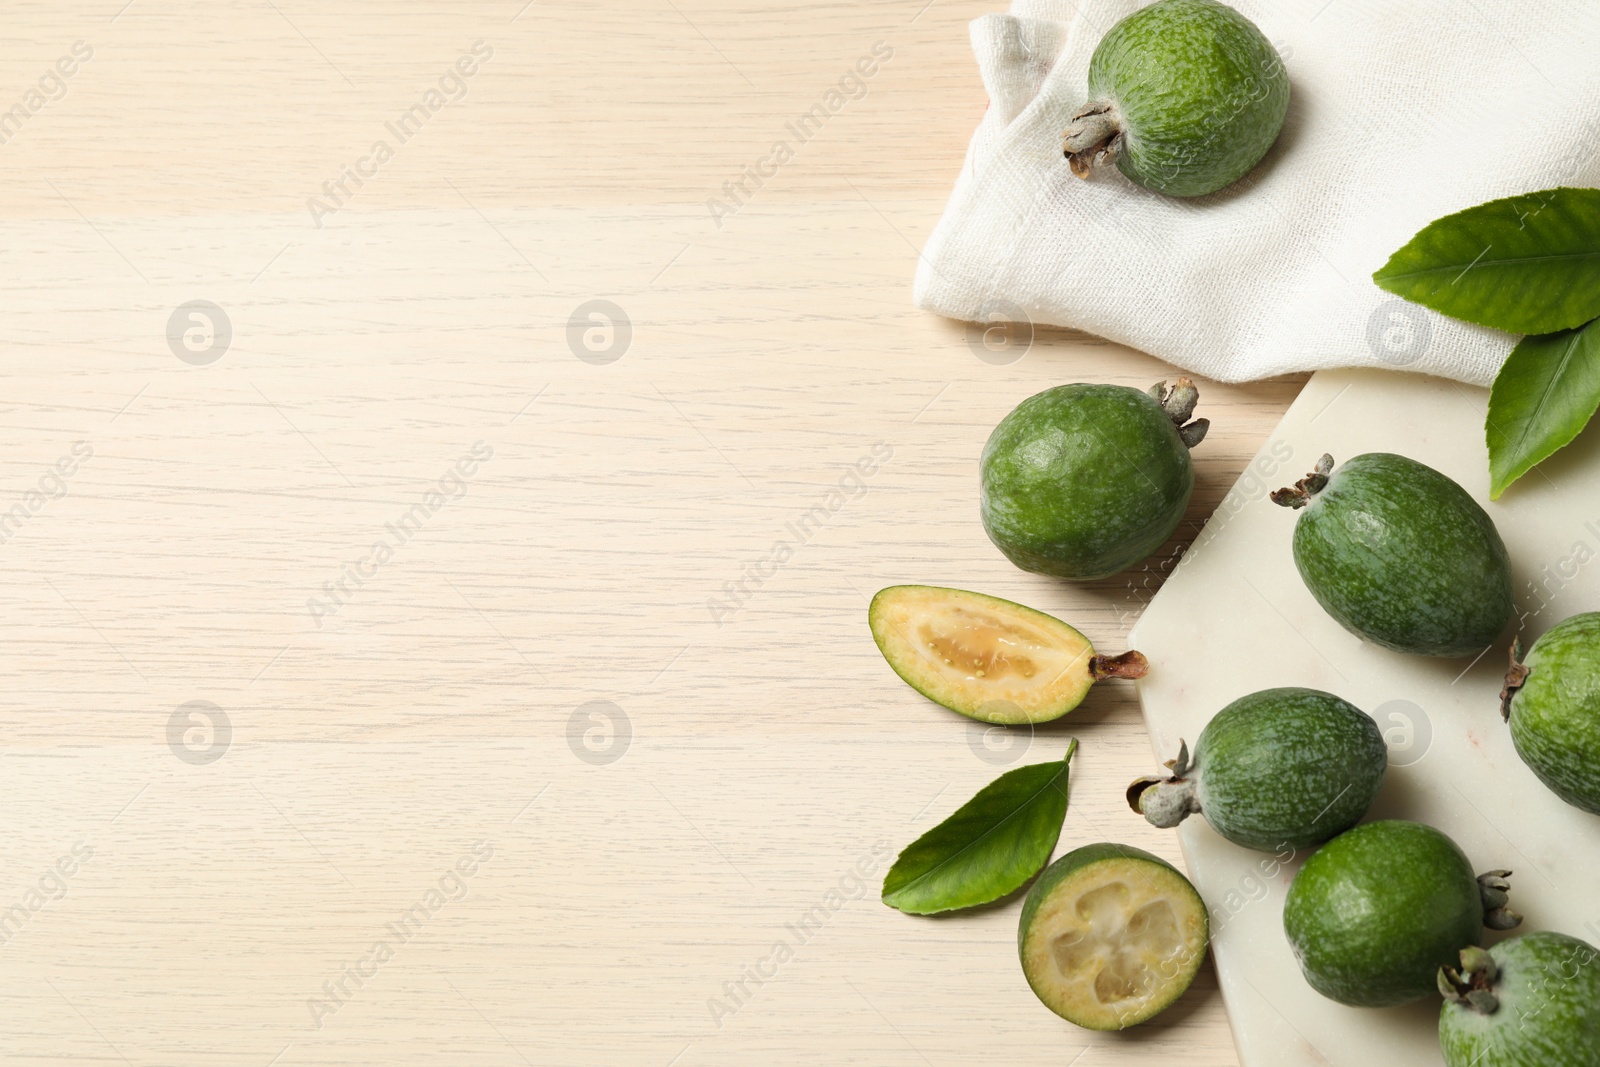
point(1081, 481)
point(1548, 989)
point(1555, 712)
point(1199, 93)
point(1281, 768)
point(1400, 555)
point(1080, 860)
point(1375, 913)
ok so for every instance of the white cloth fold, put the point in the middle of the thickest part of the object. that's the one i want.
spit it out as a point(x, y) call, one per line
point(1399, 113)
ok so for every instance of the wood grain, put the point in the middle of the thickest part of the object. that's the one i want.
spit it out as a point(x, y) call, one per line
point(442, 696)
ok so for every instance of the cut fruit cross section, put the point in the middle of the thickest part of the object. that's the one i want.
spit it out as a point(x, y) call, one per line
point(987, 658)
point(1111, 935)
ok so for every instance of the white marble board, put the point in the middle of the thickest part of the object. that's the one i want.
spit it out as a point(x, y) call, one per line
point(1235, 617)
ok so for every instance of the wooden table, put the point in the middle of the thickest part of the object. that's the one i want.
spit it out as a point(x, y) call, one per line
point(398, 673)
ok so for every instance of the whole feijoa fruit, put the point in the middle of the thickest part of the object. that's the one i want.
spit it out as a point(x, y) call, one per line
point(1400, 555)
point(1082, 481)
point(1552, 700)
point(1111, 935)
point(1185, 96)
point(988, 658)
point(1282, 768)
point(1531, 1001)
point(1375, 912)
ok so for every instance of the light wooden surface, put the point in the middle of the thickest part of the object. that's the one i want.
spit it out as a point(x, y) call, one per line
point(438, 716)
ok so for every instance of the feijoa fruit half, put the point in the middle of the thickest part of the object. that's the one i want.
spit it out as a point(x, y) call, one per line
point(1111, 935)
point(1082, 481)
point(1530, 1001)
point(1279, 769)
point(1375, 912)
point(1400, 555)
point(1185, 96)
point(987, 658)
point(1552, 700)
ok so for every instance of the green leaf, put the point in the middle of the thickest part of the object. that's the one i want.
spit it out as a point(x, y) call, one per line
point(1544, 394)
point(992, 844)
point(1526, 264)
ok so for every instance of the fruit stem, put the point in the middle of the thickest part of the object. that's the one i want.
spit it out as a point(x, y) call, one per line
point(1128, 665)
point(1492, 888)
point(1300, 494)
point(1093, 137)
point(1473, 985)
point(1515, 677)
point(1165, 802)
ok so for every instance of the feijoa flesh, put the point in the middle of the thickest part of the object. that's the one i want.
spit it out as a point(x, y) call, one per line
point(1552, 700)
point(1375, 912)
point(1530, 1001)
point(1111, 935)
point(1082, 481)
point(987, 658)
point(1279, 769)
point(1400, 555)
point(1185, 96)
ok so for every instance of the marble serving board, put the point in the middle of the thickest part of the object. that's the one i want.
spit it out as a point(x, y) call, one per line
point(1234, 617)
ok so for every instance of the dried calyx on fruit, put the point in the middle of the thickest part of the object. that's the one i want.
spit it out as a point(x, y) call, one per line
point(1493, 890)
point(1473, 984)
point(1166, 801)
point(1094, 138)
point(1299, 495)
point(1516, 677)
point(1178, 401)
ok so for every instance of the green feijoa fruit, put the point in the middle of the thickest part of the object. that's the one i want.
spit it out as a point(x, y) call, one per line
point(1531, 1001)
point(1400, 555)
point(1184, 95)
point(1282, 768)
point(1375, 912)
point(1552, 700)
point(988, 658)
point(1111, 935)
point(1082, 481)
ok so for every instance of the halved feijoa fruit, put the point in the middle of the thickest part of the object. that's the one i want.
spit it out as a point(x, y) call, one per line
point(1111, 935)
point(988, 658)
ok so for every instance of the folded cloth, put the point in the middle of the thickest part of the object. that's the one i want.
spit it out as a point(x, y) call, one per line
point(1399, 113)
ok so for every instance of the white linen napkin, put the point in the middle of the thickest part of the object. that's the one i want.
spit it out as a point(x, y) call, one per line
point(1400, 112)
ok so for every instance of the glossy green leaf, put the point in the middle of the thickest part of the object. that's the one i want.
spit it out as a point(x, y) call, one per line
point(1527, 264)
point(1545, 393)
point(992, 844)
